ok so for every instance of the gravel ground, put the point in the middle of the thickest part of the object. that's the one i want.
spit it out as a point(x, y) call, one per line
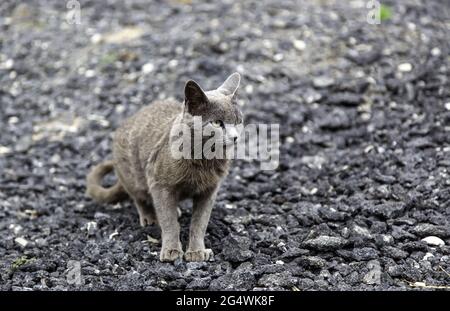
point(360, 201)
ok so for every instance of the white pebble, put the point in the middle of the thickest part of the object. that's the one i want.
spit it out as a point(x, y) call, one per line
point(405, 67)
point(152, 239)
point(90, 227)
point(41, 242)
point(179, 50)
point(290, 139)
point(96, 38)
point(89, 73)
point(365, 116)
point(249, 89)
point(419, 284)
point(267, 44)
point(15, 228)
point(447, 106)
point(117, 206)
point(56, 158)
point(411, 26)
point(279, 262)
point(433, 241)
point(436, 51)
point(21, 241)
point(278, 57)
point(148, 68)
point(299, 45)
point(388, 239)
point(427, 255)
point(173, 63)
point(8, 64)
point(13, 120)
point(112, 235)
point(4, 150)
point(120, 109)
point(368, 148)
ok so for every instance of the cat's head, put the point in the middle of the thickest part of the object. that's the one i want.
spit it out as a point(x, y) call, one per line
point(217, 108)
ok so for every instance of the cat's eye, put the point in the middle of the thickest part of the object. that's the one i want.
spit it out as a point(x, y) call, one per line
point(217, 123)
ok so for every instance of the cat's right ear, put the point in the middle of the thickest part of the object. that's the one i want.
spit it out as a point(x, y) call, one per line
point(195, 99)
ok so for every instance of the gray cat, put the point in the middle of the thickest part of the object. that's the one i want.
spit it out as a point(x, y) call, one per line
point(155, 180)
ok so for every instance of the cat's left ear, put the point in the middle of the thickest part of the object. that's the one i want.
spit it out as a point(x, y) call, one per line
point(231, 84)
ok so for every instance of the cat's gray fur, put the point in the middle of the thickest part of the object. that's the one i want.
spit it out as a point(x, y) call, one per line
point(156, 181)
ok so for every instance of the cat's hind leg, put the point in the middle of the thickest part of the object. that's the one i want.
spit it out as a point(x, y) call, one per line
point(146, 211)
point(142, 200)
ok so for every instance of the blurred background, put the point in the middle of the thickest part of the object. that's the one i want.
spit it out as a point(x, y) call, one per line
point(363, 102)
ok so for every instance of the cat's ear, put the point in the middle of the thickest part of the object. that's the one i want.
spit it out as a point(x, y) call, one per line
point(230, 85)
point(194, 98)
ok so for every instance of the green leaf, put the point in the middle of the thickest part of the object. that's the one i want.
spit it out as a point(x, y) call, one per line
point(385, 12)
point(18, 262)
point(108, 59)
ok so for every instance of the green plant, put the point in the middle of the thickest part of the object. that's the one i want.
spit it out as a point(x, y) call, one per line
point(108, 59)
point(18, 262)
point(385, 12)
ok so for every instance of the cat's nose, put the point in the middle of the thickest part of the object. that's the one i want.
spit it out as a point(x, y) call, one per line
point(235, 139)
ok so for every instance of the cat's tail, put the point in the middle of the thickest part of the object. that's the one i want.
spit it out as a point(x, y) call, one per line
point(96, 191)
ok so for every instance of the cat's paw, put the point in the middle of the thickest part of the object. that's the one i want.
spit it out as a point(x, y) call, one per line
point(199, 255)
point(170, 254)
point(146, 220)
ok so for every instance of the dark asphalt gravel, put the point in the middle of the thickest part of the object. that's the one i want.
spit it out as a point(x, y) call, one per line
point(365, 142)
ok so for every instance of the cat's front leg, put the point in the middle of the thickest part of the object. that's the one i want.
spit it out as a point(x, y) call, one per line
point(165, 203)
point(202, 206)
